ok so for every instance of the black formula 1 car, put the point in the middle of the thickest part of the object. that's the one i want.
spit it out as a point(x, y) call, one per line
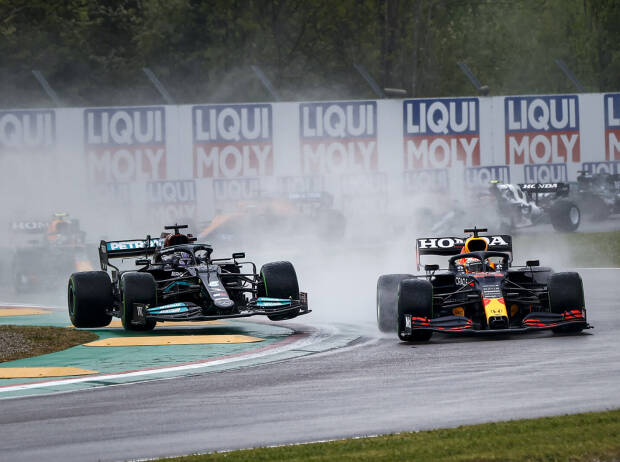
point(598, 194)
point(480, 292)
point(179, 281)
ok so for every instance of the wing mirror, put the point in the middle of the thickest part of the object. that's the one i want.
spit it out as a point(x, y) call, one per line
point(238, 255)
point(430, 268)
point(532, 263)
point(143, 262)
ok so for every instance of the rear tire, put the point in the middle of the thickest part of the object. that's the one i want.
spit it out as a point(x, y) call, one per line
point(415, 298)
point(566, 293)
point(279, 280)
point(137, 288)
point(89, 296)
point(565, 216)
point(387, 301)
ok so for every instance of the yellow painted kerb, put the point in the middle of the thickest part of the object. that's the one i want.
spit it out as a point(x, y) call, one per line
point(36, 372)
point(21, 311)
point(173, 340)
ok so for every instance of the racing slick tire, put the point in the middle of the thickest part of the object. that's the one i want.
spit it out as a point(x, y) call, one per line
point(89, 296)
point(415, 297)
point(137, 288)
point(279, 280)
point(565, 294)
point(565, 216)
point(387, 301)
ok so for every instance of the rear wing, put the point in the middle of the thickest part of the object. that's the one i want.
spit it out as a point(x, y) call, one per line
point(131, 248)
point(29, 227)
point(561, 189)
point(449, 246)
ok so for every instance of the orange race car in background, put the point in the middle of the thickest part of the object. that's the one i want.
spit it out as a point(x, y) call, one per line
point(264, 221)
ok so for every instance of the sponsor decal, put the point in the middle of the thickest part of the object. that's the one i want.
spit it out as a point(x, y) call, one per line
point(441, 133)
point(476, 177)
point(29, 226)
point(364, 184)
point(28, 130)
point(214, 284)
point(236, 189)
point(426, 179)
point(173, 200)
point(125, 144)
point(133, 245)
point(612, 126)
point(232, 141)
point(601, 167)
point(299, 184)
point(338, 137)
point(451, 242)
point(545, 173)
point(541, 129)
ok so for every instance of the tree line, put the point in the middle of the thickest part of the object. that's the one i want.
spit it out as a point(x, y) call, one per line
point(92, 52)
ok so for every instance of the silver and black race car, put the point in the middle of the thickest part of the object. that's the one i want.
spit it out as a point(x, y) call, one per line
point(178, 280)
point(479, 292)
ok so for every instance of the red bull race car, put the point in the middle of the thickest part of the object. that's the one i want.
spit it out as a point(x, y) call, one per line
point(480, 292)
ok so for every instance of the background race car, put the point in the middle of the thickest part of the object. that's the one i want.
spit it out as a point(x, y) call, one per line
point(44, 253)
point(480, 292)
point(178, 280)
point(252, 223)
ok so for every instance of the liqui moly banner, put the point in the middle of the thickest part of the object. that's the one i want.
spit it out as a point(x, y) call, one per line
point(300, 184)
point(441, 133)
point(612, 126)
point(480, 177)
point(235, 189)
point(28, 130)
point(612, 168)
point(125, 144)
point(541, 130)
point(172, 201)
point(232, 141)
point(338, 137)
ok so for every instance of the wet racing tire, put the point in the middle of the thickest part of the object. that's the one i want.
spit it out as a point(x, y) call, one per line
point(137, 288)
point(565, 294)
point(415, 298)
point(89, 296)
point(387, 301)
point(565, 216)
point(279, 280)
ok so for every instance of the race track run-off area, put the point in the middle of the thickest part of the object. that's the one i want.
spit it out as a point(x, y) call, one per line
point(373, 385)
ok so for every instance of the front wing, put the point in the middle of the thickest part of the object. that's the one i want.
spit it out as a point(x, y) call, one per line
point(537, 321)
point(186, 311)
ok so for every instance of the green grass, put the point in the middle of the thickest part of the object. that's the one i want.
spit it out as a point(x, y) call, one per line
point(19, 342)
point(571, 249)
point(593, 247)
point(581, 437)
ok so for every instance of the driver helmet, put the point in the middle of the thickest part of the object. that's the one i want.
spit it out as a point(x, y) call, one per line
point(175, 239)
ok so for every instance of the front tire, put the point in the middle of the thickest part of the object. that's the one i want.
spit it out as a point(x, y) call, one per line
point(137, 288)
point(566, 293)
point(387, 301)
point(279, 280)
point(415, 298)
point(89, 297)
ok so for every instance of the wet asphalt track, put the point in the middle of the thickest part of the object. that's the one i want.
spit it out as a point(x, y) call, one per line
point(376, 386)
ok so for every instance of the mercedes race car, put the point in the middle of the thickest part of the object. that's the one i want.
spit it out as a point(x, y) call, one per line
point(178, 280)
point(479, 292)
